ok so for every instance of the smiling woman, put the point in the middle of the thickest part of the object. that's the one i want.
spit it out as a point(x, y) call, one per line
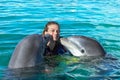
point(32, 49)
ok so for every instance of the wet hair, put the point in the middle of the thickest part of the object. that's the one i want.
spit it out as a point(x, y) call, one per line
point(50, 23)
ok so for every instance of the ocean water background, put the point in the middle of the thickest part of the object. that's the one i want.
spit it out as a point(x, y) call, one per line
point(98, 19)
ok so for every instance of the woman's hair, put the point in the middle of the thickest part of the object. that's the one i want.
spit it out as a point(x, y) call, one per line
point(49, 23)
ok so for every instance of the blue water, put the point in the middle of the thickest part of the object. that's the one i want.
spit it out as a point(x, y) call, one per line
point(98, 19)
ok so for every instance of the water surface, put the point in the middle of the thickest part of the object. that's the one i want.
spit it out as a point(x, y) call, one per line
point(98, 19)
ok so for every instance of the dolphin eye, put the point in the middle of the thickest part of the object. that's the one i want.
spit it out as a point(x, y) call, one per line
point(82, 51)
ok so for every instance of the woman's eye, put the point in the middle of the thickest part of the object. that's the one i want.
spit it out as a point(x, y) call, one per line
point(54, 31)
point(51, 30)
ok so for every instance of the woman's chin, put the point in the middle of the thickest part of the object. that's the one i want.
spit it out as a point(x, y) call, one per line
point(55, 39)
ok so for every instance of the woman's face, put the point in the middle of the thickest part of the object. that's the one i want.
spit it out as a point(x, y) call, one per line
point(54, 31)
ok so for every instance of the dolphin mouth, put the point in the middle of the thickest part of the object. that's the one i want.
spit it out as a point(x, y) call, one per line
point(71, 47)
point(63, 40)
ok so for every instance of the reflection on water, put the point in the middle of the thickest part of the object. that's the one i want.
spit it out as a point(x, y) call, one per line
point(68, 68)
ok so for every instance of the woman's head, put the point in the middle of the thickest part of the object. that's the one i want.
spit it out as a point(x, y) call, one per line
point(52, 28)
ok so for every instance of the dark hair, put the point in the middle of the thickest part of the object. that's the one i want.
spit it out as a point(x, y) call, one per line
point(49, 23)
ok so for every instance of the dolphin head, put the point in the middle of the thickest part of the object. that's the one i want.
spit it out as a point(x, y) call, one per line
point(70, 45)
point(82, 46)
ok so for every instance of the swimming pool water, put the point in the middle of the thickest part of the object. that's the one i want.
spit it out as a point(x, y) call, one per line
point(98, 19)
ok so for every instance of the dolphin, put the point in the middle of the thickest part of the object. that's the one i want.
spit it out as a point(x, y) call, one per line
point(83, 46)
point(29, 51)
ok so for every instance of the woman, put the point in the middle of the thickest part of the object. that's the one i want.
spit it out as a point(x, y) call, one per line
point(32, 49)
point(53, 46)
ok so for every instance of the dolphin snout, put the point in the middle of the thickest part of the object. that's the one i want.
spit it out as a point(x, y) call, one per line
point(63, 40)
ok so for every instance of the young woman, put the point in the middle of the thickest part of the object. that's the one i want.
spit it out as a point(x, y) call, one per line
point(32, 49)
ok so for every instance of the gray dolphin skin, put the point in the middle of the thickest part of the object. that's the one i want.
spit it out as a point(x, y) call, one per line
point(29, 52)
point(83, 46)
